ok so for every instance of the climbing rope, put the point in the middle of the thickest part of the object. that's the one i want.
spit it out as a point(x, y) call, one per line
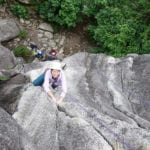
point(101, 122)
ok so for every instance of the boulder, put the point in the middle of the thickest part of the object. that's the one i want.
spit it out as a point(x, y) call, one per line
point(46, 27)
point(7, 59)
point(37, 115)
point(25, 1)
point(77, 134)
point(9, 132)
point(111, 85)
point(12, 136)
point(106, 105)
point(8, 29)
point(128, 136)
point(10, 91)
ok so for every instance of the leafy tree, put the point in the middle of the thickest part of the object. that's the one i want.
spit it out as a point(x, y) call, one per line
point(2, 1)
point(62, 12)
point(19, 10)
point(120, 27)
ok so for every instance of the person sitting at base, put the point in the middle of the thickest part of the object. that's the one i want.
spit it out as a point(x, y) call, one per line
point(56, 78)
point(51, 55)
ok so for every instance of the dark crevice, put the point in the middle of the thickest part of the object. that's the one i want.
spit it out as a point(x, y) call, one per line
point(122, 80)
point(57, 126)
point(132, 116)
point(61, 110)
point(103, 137)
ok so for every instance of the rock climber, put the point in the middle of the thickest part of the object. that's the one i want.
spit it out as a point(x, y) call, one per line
point(53, 78)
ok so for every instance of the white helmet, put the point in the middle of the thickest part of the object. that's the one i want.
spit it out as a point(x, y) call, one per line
point(55, 65)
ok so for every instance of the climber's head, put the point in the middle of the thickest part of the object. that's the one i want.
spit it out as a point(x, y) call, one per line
point(55, 68)
point(55, 73)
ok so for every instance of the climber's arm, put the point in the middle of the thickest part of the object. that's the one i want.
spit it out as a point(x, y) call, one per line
point(64, 89)
point(46, 86)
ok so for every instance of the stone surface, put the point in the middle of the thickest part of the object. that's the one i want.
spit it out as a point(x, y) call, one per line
point(49, 35)
point(12, 137)
point(100, 108)
point(111, 82)
point(25, 1)
point(40, 34)
point(7, 59)
point(46, 27)
point(10, 90)
point(77, 134)
point(129, 136)
point(62, 40)
point(9, 132)
point(8, 29)
point(37, 115)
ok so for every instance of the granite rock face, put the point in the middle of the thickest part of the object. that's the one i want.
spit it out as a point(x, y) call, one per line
point(9, 136)
point(8, 29)
point(7, 58)
point(10, 91)
point(12, 137)
point(37, 115)
point(106, 106)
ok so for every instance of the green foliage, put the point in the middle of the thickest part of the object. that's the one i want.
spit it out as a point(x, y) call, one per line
point(9, 67)
point(19, 10)
point(22, 51)
point(120, 27)
point(63, 12)
point(96, 50)
point(4, 78)
point(23, 34)
point(2, 1)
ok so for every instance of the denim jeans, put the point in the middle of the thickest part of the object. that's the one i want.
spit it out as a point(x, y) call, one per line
point(39, 80)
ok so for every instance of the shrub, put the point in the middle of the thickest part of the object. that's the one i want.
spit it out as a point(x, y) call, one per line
point(63, 12)
point(4, 78)
point(23, 34)
point(119, 26)
point(19, 10)
point(2, 1)
point(22, 51)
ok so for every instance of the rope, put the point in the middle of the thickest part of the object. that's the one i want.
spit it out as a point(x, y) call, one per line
point(118, 137)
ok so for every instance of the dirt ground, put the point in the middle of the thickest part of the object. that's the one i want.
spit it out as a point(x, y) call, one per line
point(75, 43)
point(76, 39)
